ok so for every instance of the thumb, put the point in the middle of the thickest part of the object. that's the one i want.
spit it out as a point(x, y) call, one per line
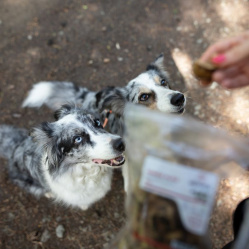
point(234, 55)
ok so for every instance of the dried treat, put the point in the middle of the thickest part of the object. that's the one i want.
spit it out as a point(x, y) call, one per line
point(203, 70)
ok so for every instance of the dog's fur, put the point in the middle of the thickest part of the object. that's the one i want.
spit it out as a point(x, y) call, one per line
point(70, 159)
point(150, 88)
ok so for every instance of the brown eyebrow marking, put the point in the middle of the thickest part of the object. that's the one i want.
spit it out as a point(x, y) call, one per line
point(157, 79)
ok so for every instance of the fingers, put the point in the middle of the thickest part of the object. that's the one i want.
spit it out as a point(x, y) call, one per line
point(236, 54)
point(219, 48)
point(222, 74)
point(230, 72)
point(238, 81)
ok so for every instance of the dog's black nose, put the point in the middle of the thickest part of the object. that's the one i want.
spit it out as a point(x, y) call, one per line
point(178, 99)
point(119, 145)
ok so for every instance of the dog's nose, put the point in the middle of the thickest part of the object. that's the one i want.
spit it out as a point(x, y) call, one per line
point(119, 145)
point(178, 99)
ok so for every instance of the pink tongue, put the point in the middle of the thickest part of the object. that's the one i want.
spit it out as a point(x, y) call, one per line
point(97, 161)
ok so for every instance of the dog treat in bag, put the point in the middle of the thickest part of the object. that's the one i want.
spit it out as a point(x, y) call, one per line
point(175, 164)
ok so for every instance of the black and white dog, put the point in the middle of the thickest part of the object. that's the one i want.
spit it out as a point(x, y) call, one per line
point(151, 88)
point(70, 159)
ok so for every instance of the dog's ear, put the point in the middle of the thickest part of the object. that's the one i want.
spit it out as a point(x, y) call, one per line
point(115, 101)
point(157, 64)
point(46, 140)
point(63, 111)
point(42, 133)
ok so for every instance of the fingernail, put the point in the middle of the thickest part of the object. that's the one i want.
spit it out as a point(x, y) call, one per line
point(219, 59)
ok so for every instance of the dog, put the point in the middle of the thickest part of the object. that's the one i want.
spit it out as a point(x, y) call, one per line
point(71, 159)
point(150, 88)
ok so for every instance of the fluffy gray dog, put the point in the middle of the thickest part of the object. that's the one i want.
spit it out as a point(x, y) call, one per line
point(150, 88)
point(70, 159)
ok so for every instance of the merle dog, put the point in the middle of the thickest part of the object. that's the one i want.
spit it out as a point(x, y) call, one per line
point(150, 88)
point(70, 159)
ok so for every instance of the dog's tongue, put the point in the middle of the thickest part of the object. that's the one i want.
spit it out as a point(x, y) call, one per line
point(111, 162)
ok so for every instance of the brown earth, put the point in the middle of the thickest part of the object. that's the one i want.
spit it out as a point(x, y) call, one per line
point(101, 43)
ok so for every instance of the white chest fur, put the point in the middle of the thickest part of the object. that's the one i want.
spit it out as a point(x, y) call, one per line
point(81, 185)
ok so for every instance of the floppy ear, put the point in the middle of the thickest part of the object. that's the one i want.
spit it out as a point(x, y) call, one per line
point(63, 111)
point(46, 141)
point(115, 101)
point(42, 133)
point(157, 64)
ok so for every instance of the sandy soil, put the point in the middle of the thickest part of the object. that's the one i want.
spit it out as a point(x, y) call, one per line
point(101, 43)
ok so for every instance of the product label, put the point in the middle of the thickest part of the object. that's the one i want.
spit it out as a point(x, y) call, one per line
point(193, 190)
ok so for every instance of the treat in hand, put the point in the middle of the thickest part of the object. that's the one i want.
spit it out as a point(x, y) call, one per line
point(203, 71)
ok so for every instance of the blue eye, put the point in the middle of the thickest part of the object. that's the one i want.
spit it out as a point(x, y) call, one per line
point(97, 123)
point(144, 97)
point(163, 82)
point(78, 140)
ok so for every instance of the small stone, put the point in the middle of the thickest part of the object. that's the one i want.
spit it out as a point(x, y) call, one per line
point(45, 236)
point(30, 37)
point(226, 29)
point(179, 28)
point(46, 219)
point(106, 60)
point(219, 202)
point(208, 20)
point(60, 230)
point(213, 119)
point(117, 46)
point(197, 107)
point(120, 59)
point(214, 85)
point(104, 28)
point(199, 41)
point(16, 115)
point(61, 33)
point(83, 229)
point(90, 62)
point(116, 215)
point(11, 216)
point(196, 23)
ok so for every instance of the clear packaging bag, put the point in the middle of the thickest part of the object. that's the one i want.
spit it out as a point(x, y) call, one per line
point(175, 165)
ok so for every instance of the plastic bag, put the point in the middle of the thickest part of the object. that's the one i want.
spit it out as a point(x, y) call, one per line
point(175, 164)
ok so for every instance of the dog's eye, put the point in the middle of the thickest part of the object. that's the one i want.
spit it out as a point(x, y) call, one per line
point(97, 123)
point(144, 97)
point(78, 140)
point(164, 82)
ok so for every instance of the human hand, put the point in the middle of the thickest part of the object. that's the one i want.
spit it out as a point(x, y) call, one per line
point(231, 57)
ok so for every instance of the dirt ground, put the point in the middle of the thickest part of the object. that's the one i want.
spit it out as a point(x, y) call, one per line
point(101, 43)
